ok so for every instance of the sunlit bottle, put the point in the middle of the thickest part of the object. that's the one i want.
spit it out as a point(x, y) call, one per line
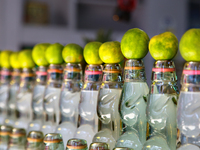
point(110, 125)
point(69, 101)
point(161, 107)
point(188, 117)
point(34, 141)
point(53, 141)
point(98, 146)
point(132, 105)
point(88, 125)
point(4, 93)
point(17, 139)
point(24, 97)
point(37, 100)
point(51, 99)
point(76, 144)
point(11, 106)
point(5, 132)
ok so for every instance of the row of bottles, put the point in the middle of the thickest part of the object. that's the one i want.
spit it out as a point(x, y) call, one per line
point(103, 108)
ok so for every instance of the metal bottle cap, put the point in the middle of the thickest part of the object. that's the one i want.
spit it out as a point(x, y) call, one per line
point(164, 70)
point(35, 136)
point(112, 73)
point(123, 148)
point(134, 70)
point(98, 146)
point(76, 144)
point(18, 136)
point(191, 73)
point(53, 138)
point(5, 130)
point(72, 72)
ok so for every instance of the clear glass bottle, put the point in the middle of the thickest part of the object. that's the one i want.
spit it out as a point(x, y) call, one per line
point(17, 139)
point(4, 93)
point(110, 125)
point(161, 107)
point(11, 106)
point(69, 101)
point(98, 146)
point(188, 117)
point(88, 123)
point(35, 141)
point(24, 96)
point(53, 141)
point(132, 106)
point(5, 132)
point(37, 100)
point(76, 144)
point(51, 98)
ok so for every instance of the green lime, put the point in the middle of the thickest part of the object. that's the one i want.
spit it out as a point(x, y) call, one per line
point(163, 46)
point(38, 54)
point(72, 53)
point(14, 60)
point(0, 58)
point(190, 45)
point(53, 54)
point(91, 53)
point(5, 58)
point(25, 58)
point(134, 44)
point(110, 52)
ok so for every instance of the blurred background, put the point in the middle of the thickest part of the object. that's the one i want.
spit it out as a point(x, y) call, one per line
point(24, 23)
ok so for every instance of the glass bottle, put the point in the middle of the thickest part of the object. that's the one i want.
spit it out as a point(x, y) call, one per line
point(110, 125)
point(11, 106)
point(188, 117)
point(161, 107)
point(4, 93)
point(37, 100)
point(34, 141)
point(88, 123)
point(17, 139)
point(53, 141)
point(132, 106)
point(5, 132)
point(98, 146)
point(76, 144)
point(69, 101)
point(51, 98)
point(24, 96)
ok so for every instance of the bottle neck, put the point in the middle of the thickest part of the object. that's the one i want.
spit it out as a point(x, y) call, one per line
point(55, 76)
point(134, 71)
point(27, 78)
point(112, 73)
point(15, 79)
point(41, 75)
point(72, 72)
point(5, 76)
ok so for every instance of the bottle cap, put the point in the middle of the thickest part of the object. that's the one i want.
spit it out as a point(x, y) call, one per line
point(123, 148)
point(53, 138)
point(35, 136)
point(5, 130)
point(99, 146)
point(76, 144)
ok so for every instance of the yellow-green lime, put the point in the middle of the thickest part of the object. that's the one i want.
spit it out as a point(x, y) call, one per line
point(134, 44)
point(110, 52)
point(53, 54)
point(38, 54)
point(5, 58)
point(163, 46)
point(190, 45)
point(0, 58)
point(14, 60)
point(25, 58)
point(72, 53)
point(91, 53)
